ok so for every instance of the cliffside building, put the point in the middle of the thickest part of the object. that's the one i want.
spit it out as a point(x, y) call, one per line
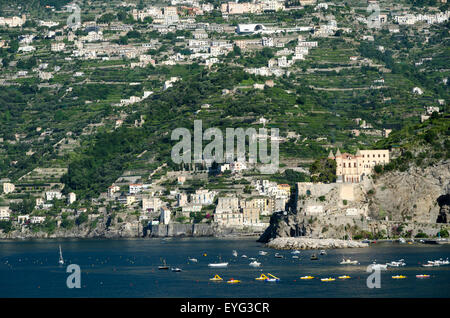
point(353, 168)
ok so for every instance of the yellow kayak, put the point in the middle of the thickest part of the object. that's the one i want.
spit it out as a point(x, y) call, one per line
point(216, 278)
point(344, 277)
point(307, 277)
point(262, 277)
point(398, 277)
point(233, 281)
point(329, 279)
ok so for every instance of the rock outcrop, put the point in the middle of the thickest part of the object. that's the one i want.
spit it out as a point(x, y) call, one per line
point(294, 243)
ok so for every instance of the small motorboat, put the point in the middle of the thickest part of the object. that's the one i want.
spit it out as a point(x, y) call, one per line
point(262, 277)
point(233, 281)
point(244, 256)
point(272, 278)
point(375, 266)
point(307, 277)
point(294, 256)
point(398, 277)
point(329, 279)
point(235, 254)
point(252, 258)
point(176, 269)
point(262, 253)
point(216, 265)
point(255, 264)
point(193, 260)
point(164, 266)
point(344, 277)
point(216, 278)
point(396, 263)
point(402, 240)
point(322, 252)
point(428, 265)
point(423, 276)
point(314, 257)
point(295, 252)
point(278, 255)
point(348, 261)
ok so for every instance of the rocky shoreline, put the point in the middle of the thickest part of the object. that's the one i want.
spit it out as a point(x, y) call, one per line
point(293, 243)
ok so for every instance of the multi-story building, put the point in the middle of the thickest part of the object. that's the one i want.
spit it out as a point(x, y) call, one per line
point(50, 195)
point(151, 204)
point(227, 205)
point(164, 217)
point(353, 168)
point(8, 187)
point(203, 197)
point(4, 213)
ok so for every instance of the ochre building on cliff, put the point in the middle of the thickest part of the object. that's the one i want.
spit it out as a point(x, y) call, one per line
point(353, 168)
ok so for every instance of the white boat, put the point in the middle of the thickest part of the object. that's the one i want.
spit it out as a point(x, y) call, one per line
point(278, 255)
point(375, 266)
point(295, 252)
point(396, 263)
point(176, 269)
point(255, 264)
point(348, 261)
point(402, 240)
point(218, 265)
point(194, 260)
point(262, 253)
point(244, 256)
point(294, 256)
point(322, 252)
point(61, 259)
point(235, 254)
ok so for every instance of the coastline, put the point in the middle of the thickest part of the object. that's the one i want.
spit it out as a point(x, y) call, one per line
point(303, 243)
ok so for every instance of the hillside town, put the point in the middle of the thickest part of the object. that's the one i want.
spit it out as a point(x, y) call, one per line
point(116, 65)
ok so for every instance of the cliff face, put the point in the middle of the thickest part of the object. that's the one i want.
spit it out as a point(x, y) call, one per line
point(412, 195)
point(417, 200)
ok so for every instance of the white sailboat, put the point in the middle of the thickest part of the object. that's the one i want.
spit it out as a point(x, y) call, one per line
point(61, 259)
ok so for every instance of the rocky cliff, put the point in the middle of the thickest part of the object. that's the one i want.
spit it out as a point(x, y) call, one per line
point(396, 203)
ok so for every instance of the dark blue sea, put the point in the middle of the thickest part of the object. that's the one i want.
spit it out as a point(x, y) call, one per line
point(129, 268)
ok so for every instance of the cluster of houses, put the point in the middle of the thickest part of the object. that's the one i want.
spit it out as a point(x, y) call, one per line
point(410, 19)
point(42, 203)
point(276, 66)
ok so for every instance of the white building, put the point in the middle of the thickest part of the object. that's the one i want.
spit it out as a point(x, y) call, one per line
point(4, 213)
point(164, 217)
point(50, 195)
point(8, 187)
point(72, 198)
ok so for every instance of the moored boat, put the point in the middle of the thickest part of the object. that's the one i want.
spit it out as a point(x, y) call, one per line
point(262, 277)
point(329, 279)
point(398, 277)
point(255, 264)
point(216, 278)
point(348, 261)
point(423, 276)
point(218, 264)
point(344, 277)
point(233, 281)
point(272, 278)
point(307, 277)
